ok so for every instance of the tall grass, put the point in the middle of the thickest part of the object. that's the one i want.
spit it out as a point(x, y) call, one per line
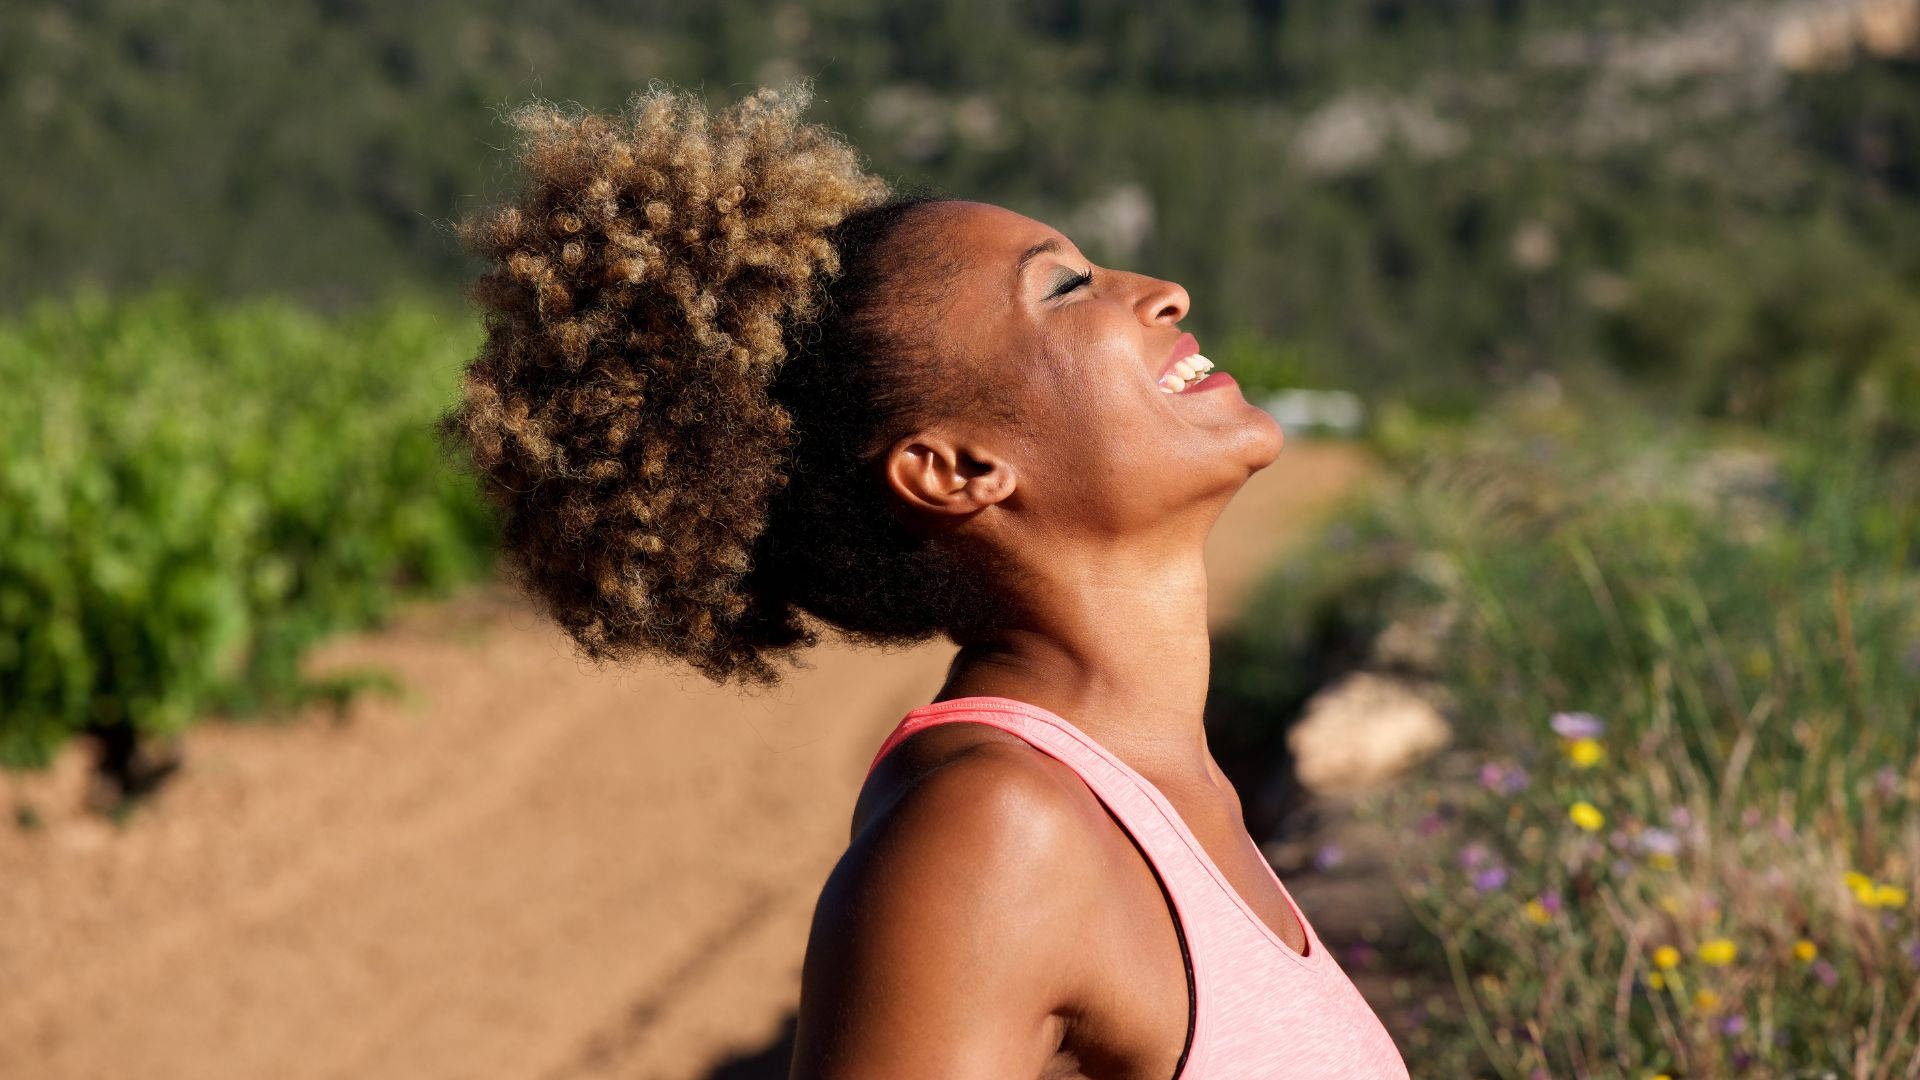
point(1680, 833)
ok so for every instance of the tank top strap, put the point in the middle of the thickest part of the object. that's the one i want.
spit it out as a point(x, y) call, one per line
point(1137, 805)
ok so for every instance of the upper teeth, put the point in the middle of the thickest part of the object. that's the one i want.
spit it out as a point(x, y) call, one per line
point(1185, 373)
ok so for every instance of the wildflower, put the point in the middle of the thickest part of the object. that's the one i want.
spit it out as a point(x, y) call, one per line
point(1666, 957)
point(1328, 857)
point(1658, 842)
point(1718, 952)
point(1587, 816)
point(1805, 951)
point(1660, 860)
point(1493, 776)
point(1657, 981)
point(1475, 855)
point(1887, 781)
point(1889, 896)
point(1550, 900)
point(1860, 884)
point(1669, 904)
point(1576, 725)
point(1492, 878)
point(1706, 1000)
point(1734, 1024)
point(1585, 753)
point(1825, 973)
point(1913, 952)
point(1537, 913)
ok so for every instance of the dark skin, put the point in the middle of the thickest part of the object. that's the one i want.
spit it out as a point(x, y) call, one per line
point(990, 918)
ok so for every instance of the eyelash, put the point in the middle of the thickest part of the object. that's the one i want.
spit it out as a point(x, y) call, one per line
point(1073, 283)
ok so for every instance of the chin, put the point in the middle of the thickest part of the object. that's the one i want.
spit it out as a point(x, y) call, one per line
point(1264, 440)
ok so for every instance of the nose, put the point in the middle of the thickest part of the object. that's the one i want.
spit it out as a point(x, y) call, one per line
point(1161, 301)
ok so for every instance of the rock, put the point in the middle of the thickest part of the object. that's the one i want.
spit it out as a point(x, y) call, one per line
point(1362, 731)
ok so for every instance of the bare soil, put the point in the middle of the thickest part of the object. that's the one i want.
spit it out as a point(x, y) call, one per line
point(524, 867)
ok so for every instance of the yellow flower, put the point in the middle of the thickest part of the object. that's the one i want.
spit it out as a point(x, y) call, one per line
point(1537, 912)
point(1587, 816)
point(1804, 951)
point(1719, 952)
point(1861, 884)
point(1706, 1000)
point(1670, 904)
point(1662, 1076)
point(1585, 753)
point(1660, 860)
point(1666, 957)
point(1889, 896)
point(1657, 981)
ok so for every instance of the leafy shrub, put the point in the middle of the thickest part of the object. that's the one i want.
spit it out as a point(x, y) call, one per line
point(1681, 833)
point(191, 495)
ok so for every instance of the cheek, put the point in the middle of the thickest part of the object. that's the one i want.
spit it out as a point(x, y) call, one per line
point(1096, 435)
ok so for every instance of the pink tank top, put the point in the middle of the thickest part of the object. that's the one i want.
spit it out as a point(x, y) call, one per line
point(1260, 1011)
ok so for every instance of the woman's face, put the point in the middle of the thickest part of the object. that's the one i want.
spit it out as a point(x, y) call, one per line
point(1096, 444)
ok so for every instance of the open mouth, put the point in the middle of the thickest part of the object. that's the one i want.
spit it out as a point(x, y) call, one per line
point(1187, 373)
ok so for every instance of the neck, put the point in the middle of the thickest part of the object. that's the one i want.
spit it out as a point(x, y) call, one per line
point(1117, 644)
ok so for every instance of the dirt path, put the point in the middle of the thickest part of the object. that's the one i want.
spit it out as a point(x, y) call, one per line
point(529, 868)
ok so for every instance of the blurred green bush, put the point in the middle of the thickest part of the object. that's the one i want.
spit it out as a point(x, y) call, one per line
point(191, 494)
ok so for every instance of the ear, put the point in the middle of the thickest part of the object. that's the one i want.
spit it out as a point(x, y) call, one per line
point(936, 473)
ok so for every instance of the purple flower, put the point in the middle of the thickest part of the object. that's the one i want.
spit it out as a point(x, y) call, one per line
point(1502, 778)
point(1733, 1024)
point(1681, 818)
point(1658, 842)
point(1913, 951)
point(1475, 855)
point(1825, 973)
point(1493, 877)
point(1517, 780)
point(1551, 901)
point(1887, 781)
point(1429, 825)
point(1328, 857)
point(1750, 818)
point(1576, 725)
point(1742, 1061)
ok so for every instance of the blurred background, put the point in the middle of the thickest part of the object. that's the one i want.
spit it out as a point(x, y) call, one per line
point(1568, 661)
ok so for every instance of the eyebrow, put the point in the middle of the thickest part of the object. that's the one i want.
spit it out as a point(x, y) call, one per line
point(1049, 244)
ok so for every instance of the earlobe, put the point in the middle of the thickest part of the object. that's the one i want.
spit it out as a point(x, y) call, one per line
point(932, 473)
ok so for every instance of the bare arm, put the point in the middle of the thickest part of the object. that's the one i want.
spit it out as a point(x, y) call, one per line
point(949, 942)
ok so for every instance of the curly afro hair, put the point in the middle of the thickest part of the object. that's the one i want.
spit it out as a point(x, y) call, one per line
point(698, 340)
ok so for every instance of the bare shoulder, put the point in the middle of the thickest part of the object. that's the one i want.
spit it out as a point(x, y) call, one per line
point(948, 941)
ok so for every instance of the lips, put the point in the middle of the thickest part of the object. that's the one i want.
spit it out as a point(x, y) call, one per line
point(1184, 347)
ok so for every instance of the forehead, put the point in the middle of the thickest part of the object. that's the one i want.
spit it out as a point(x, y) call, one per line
point(991, 238)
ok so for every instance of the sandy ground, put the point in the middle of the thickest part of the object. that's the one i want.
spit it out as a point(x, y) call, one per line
point(526, 867)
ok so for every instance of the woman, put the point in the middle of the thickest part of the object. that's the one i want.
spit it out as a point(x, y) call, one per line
point(734, 391)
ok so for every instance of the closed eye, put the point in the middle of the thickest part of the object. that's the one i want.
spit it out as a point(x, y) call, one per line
point(1072, 283)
